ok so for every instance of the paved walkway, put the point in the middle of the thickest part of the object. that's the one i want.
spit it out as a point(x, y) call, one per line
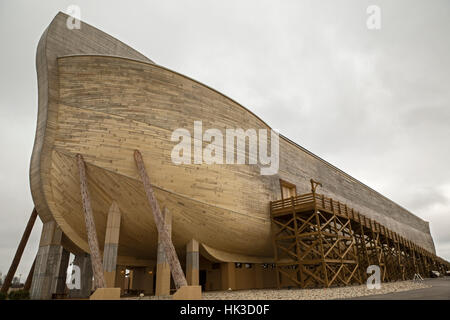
point(440, 290)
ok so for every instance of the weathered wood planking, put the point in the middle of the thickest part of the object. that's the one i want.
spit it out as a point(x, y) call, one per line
point(56, 41)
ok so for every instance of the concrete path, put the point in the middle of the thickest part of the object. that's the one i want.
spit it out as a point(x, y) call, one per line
point(440, 290)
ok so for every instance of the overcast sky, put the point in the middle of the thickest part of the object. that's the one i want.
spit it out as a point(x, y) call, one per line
point(375, 103)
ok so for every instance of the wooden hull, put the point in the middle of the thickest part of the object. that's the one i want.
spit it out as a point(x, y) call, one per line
point(105, 118)
point(103, 100)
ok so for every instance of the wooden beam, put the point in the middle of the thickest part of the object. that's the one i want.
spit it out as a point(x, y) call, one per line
point(162, 287)
point(27, 285)
point(171, 255)
point(97, 265)
point(192, 263)
point(111, 245)
point(16, 260)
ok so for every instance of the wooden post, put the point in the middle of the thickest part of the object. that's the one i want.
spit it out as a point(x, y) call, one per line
point(321, 246)
point(162, 287)
point(227, 270)
point(192, 263)
point(97, 265)
point(15, 263)
point(314, 185)
point(27, 285)
point(111, 245)
point(171, 255)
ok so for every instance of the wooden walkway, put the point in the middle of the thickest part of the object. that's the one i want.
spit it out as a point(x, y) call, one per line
point(321, 242)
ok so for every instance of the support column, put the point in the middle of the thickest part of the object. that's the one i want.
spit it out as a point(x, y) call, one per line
point(184, 292)
point(83, 262)
point(91, 231)
point(47, 262)
point(61, 276)
point(162, 266)
point(169, 249)
point(192, 263)
point(111, 245)
point(15, 263)
point(228, 275)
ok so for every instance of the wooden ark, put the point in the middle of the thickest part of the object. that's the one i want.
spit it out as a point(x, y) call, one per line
point(103, 100)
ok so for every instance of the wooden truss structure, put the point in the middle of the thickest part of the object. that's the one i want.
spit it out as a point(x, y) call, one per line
point(320, 242)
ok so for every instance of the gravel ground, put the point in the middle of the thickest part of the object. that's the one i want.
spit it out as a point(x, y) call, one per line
point(305, 294)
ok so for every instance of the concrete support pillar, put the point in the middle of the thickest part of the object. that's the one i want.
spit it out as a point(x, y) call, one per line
point(61, 276)
point(48, 261)
point(83, 262)
point(192, 263)
point(111, 245)
point(228, 275)
point(162, 266)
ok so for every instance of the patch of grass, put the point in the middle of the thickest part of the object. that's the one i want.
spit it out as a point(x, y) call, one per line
point(19, 295)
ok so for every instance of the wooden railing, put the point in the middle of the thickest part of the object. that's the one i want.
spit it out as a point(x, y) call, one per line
point(316, 200)
point(299, 200)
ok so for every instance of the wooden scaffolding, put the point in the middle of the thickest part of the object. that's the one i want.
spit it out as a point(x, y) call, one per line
point(321, 242)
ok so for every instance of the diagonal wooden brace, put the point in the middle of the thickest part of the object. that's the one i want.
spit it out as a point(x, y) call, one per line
point(169, 249)
point(97, 265)
point(19, 252)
